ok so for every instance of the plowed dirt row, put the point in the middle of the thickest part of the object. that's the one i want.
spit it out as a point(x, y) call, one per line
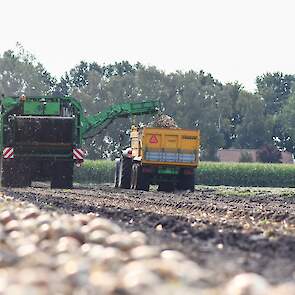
point(225, 230)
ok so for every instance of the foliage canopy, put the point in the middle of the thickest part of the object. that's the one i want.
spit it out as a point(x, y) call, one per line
point(226, 114)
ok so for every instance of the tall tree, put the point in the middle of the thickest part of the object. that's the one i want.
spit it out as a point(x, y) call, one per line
point(254, 129)
point(274, 88)
point(286, 120)
point(232, 93)
point(20, 72)
point(200, 106)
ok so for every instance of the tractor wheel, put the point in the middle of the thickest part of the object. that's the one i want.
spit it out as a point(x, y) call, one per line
point(7, 175)
point(68, 175)
point(15, 173)
point(125, 173)
point(62, 175)
point(25, 173)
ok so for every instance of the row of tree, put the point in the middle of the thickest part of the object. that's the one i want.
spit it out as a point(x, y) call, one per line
point(227, 115)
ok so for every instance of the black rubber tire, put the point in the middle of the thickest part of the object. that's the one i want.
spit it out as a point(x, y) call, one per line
point(192, 183)
point(186, 182)
point(125, 173)
point(62, 177)
point(117, 169)
point(7, 173)
point(25, 172)
point(133, 176)
point(140, 181)
point(15, 173)
point(181, 183)
point(166, 187)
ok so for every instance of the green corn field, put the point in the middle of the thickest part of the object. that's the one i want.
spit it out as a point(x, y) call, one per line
point(246, 174)
point(208, 173)
point(99, 171)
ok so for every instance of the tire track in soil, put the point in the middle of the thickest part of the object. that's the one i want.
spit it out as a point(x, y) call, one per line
point(222, 234)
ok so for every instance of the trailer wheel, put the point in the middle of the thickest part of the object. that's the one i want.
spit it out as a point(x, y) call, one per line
point(186, 182)
point(133, 175)
point(166, 187)
point(125, 173)
point(62, 176)
point(192, 183)
point(139, 180)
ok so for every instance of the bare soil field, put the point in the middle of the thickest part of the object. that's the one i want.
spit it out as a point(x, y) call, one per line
point(225, 230)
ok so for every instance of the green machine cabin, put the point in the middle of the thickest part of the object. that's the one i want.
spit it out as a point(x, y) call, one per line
point(41, 137)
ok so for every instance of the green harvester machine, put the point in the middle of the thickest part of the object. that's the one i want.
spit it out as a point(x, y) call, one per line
point(41, 137)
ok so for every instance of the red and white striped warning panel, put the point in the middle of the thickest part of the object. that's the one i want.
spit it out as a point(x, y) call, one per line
point(8, 153)
point(78, 154)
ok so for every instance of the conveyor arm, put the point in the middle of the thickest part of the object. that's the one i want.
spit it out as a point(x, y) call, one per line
point(127, 109)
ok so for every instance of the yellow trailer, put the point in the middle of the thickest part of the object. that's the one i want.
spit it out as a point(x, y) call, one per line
point(162, 156)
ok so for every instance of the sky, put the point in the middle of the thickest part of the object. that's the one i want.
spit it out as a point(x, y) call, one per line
point(234, 40)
